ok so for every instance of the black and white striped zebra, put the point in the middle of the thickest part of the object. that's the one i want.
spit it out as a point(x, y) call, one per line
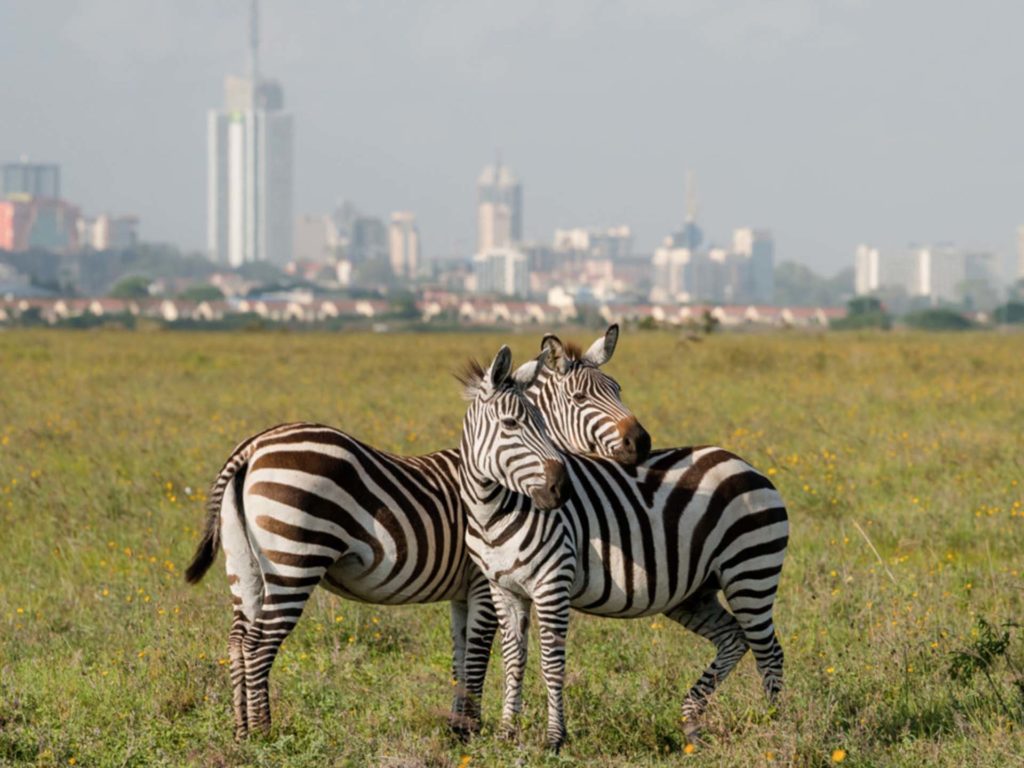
point(582, 406)
point(663, 537)
point(302, 504)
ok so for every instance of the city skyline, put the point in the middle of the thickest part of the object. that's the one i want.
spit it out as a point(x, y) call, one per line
point(845, 136)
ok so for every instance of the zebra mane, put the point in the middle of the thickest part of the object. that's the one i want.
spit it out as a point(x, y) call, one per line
point(471, 377)
point(573, 351)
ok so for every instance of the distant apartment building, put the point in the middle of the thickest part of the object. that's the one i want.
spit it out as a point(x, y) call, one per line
point(673, 274)
point(315, 239)
point(934, 274)
point(502, 271)
point(499, 208)
point(754, 252)
point(28, 223)
point(404, 245)
point(108, 233)
point(32, 213)
point(249, 170)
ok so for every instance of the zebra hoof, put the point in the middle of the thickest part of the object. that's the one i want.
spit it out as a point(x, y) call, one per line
point(463, 727)
point(692, 731)
point(508, 732)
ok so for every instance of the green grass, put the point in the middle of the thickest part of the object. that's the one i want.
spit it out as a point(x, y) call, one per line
point(908, 445)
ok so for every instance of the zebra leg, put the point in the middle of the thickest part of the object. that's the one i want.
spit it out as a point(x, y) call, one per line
point(553, 621)
point(482, 623)
point(704, 615)
point(246, 583)
point(753, 611)
point(514, 619)
point(236, 640)
point(457, 720)
point(279, 615)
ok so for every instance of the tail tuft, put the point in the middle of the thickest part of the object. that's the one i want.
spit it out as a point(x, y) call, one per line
point(203, 558)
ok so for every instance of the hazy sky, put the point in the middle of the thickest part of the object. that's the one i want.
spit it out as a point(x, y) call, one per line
point(831, 123)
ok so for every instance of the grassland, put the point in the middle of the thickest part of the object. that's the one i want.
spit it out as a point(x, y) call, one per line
point(899, 457)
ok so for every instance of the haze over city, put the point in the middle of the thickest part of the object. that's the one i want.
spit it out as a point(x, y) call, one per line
point(830, 125)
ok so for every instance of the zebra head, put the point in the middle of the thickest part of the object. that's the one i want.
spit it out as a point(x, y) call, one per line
point(504, 441)
point(582, 407)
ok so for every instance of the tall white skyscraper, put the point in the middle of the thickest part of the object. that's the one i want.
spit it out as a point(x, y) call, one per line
point(867, 270)
point(404, 245)
point(499, 208)
point(1020, 254)
point(249, 168)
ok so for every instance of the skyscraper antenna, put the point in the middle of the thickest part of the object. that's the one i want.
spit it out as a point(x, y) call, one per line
point(691, 198)
point(254, 42)
point(497, 164)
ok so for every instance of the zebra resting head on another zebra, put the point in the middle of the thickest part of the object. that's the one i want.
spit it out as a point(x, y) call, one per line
point(582, 405)
point(664, 537)
point(526, 461)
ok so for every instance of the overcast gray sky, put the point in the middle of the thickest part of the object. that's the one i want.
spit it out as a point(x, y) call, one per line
point(830, 123)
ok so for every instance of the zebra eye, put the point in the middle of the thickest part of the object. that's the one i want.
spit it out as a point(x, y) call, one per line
point(509, 423)
point(579, 397)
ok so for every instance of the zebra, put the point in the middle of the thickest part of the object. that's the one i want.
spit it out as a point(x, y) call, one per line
point(582, 406)
point(304, 504)
point(662, 537)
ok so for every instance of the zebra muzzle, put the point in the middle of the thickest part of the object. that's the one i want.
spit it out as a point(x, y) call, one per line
point(553, 491)
point(636, 443)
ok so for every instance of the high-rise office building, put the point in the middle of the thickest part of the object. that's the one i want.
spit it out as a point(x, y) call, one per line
point(368, 240)
point(1020, 254)
point(32, 213)
point(249, 168)
point(866, 270)
point(31, 179)
point(499, 208)
point(404, 245)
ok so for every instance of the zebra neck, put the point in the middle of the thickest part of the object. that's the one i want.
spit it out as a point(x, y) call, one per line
point(488, 504)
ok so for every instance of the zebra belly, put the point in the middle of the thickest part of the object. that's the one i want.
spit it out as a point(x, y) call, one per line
point(600, 595)
point(349, 579)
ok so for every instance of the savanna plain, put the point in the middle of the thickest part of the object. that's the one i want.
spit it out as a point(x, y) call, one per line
point(899, 457)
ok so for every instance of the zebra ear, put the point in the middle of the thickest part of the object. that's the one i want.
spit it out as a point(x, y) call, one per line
point(557, 359)
point(527, 373)
point(497, 374)
point(601, 351)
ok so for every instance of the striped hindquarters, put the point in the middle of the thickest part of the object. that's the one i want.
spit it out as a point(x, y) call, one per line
point(377, 527)
point(684, 518)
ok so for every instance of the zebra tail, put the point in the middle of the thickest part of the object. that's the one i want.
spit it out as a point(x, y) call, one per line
point(206, 552)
